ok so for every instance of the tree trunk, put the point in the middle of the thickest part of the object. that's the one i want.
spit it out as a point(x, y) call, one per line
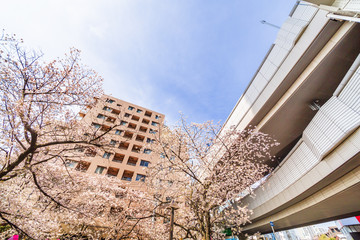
point(207, 226)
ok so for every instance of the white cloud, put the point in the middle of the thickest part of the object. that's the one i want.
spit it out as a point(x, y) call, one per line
point(165, 55)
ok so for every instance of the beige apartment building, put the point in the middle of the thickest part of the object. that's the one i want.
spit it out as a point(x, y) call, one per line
point(127, 156)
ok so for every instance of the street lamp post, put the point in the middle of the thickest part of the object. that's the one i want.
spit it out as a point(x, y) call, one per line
point(173, 207)
point(272, 228)
point(270, 24)
point(172, 222)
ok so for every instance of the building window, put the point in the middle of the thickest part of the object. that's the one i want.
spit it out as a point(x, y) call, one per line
point(136, 148)
point(105, 128)
point(107, 109)
point(145, 121)
point(127, 115)
point(142, 129)
point(116, 112)
point(162, 155)
point(128, 135)
point(154, 124)
point(135, 118)
point(118, 158)
point(107, 155)
point(144, 163)
point(147, 151)
point(140, 138)
point(132, 161)
point(118, 132)
point(124, 145)
point(82, 166)
point(113, 142)
point(101, 116)
point(112, 172)
point(71, 164)
point(123, 123)
point(111, 119)
point(109, 100)
point(149, 140)
point(131, 108)
point(127, 175)
point(90, 152)
point(157, 117)
point(139, 111)
point(119, 105)
point(148, 114)
point(99, 169)
point(140, 177)
point(96, 125)
point(152, 131)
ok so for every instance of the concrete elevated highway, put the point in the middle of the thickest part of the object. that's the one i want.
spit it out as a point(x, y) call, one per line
point(306, 94)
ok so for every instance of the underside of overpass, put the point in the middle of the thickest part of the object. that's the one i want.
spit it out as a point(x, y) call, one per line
point(342, 191)
point(306, 95)
point(286, 123)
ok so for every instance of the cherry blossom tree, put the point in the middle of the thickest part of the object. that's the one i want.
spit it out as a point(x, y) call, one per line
point(71, 204)
point(38, 107)
point(40, 197)
point(201, 173)
point(204, 173)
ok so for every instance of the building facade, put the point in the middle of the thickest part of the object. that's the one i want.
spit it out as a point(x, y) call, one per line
point(350, 227)
point(127, 155)
point(306, 95)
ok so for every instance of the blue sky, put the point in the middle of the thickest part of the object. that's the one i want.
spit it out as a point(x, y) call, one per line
point(192, 56)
